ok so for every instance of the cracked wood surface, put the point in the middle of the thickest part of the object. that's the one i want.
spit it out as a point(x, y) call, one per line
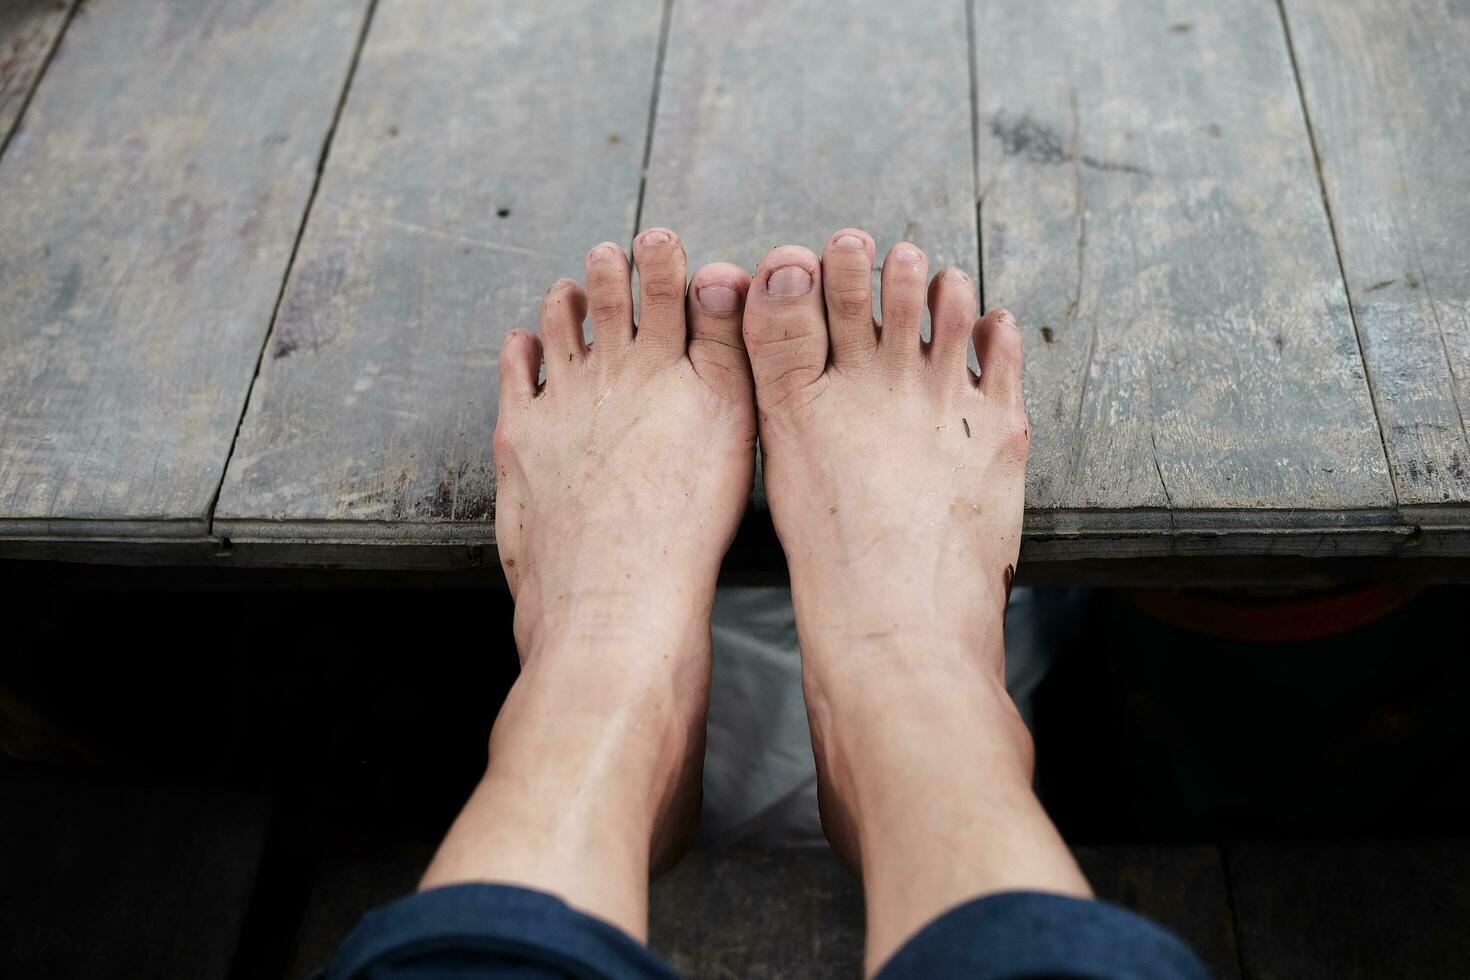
point(484, 147)
point(150, 200)
point(1394, 146)
point(28, 33)
point(1151, 209)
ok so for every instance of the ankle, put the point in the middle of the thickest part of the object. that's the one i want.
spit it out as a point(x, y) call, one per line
point(882, 734)
point(627, 626)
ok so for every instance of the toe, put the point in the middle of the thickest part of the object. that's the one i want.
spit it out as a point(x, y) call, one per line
point(610, 296)
point(716, 306)
point(998, 348)
point(905, 274)
point(951, 315)
point(785, 327)
point(847, 281)
point(562, 310)
point(520, 367)
point(662, 274)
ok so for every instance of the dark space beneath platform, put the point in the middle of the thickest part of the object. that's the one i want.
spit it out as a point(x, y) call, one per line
point(214, 784)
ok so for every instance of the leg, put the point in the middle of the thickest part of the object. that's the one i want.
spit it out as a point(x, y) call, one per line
point(621, 481)
point(896, 481)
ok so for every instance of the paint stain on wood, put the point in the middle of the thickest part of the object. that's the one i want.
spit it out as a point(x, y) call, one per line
point(1032, 140)
point(308, 319)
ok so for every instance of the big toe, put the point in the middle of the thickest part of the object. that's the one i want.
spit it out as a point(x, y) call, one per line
point(716, 305)
point(785, 326)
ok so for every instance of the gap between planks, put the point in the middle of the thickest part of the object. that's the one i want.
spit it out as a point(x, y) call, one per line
point(1301, 94)
point(25, 103)
point(316, 183)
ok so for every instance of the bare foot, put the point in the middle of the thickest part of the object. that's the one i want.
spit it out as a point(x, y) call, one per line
point(621, 482)
point(896, 481)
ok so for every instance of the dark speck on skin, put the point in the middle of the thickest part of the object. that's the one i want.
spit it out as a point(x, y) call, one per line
point(966, 424)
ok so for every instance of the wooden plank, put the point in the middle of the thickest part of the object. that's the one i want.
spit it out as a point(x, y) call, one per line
point(1349, 910)
point(778, 124)
point(356, 874)
point(1182, 888)
point(110, 879)
point(151, 201)
point(759, 914)
point(1387, 86)
point(485, 146)
point(29, 30)
point(755, 913)
point(1150, 210)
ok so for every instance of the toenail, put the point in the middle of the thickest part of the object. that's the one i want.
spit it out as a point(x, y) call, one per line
point(601, 253)
point(718, 299)
point(905, 252)
point(791, 280)
point(848, 241)
point(655, 237)
point(954, 275)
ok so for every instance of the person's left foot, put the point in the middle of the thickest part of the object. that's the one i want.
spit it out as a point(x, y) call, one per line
point(621, 481)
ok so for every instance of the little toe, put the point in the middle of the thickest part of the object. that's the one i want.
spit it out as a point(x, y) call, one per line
point(785, 326)
point(563, 309)
point(610, 296)
point(716, 307)
point(847, 281)
point(905, 275)
point(951, 317)
point(662, 275)
point(520, 368)
point(998, 348)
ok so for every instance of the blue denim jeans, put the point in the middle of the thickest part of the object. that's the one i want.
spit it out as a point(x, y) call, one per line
point(500, 931)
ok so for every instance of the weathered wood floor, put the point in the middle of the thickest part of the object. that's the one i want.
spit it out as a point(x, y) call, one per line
point(171, 881)
point(257, 259)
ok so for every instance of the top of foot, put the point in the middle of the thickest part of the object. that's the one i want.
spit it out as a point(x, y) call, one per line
point(883, 450)
point(637, 449)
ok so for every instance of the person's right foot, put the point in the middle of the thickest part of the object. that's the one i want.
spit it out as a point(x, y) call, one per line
point(896, 482)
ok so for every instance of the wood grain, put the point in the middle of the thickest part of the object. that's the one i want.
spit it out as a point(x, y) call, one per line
point(781, 122)
point(150, 202)
point(1346, 911)
point(1181, 887)
point(485, 146)
point(1151, 212)
point(1387, 88)
point(28, 33)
